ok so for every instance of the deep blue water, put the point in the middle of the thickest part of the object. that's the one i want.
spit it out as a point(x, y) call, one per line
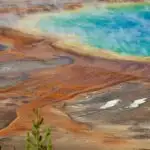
point(122, 30)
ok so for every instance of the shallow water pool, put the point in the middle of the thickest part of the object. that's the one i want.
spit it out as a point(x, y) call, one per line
point(3, 47)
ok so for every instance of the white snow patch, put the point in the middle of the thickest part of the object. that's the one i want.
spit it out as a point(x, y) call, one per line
point(137, 102)
point(110, 104)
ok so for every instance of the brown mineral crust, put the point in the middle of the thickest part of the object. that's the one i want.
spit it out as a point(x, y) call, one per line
point(73, 6)
point(48, 8)
point(50, 86)
point(18, 38)
point(30, 9)
point(63, 83)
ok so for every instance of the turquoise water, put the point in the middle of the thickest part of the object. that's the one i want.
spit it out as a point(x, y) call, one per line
point(123, 30)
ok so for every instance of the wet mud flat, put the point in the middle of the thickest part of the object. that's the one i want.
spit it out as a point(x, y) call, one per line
point(16, 72)
point(114, 107)
point(87, 98)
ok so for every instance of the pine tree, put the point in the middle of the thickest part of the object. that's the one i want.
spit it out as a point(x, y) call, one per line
point(38, 139)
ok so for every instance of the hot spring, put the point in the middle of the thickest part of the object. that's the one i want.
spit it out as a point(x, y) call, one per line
point(124, 30)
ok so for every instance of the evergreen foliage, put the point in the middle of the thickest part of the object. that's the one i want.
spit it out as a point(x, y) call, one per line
point(38, 139)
